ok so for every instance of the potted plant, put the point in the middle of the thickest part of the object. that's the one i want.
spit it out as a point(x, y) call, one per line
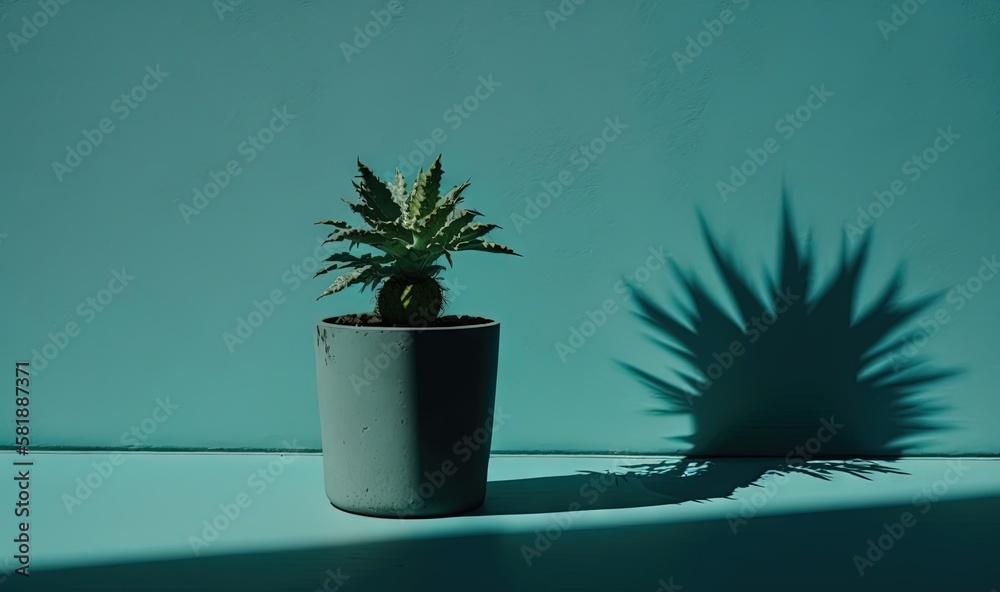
point(406, 395)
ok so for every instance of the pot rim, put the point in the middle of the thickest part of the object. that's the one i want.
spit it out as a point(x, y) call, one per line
point(325, 323)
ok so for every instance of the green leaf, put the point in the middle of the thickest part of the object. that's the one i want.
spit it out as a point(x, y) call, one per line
point(372, 238)
point(336, 224)
point(391, 228)
point(429, 225)
point(454, 226)
point(358, 235)
point(398, 190)
point(343, 281)
point(485, 246)
point(371, 276)
point(433, 270)
point(364, 259)
point(366, 212)
point(368, 276)
point(471, 232)
point(409, 229)
point(376, 194)
point(426, 191)
point(347, 260)
point(457, 190)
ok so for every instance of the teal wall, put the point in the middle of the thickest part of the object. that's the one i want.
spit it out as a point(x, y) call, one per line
point(537, 86)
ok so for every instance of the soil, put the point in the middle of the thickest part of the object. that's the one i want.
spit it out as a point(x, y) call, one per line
point(369, 319)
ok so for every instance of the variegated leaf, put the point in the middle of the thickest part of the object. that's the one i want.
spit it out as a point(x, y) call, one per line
point(472, 232)
point(485, 246)
point(426, 191)
point(376, 194)
point(398, 189)
point(429, 225)
point(343, 281)
point(335, 223)
point(454, 226)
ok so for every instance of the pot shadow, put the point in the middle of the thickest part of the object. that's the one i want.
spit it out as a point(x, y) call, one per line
point(802, 381)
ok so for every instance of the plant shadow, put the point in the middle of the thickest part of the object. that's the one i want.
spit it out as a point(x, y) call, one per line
point(800, 379)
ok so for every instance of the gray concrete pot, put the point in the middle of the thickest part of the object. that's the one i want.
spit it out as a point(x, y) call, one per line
point(406, 416)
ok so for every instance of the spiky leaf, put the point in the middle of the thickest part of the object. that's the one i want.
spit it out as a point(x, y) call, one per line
point(347, 260)
point(429, 226)
point(425, 192)
point(343, 281)
point(335, 223)
point(378, 240)
point(485, 246)
point(376, 194)
point(412, 229)
point(398, 189)
point(471, 232)
point(367, 213)
point(454, 226)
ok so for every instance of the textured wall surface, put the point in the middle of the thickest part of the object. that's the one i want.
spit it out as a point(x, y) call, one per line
point(163, 163)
